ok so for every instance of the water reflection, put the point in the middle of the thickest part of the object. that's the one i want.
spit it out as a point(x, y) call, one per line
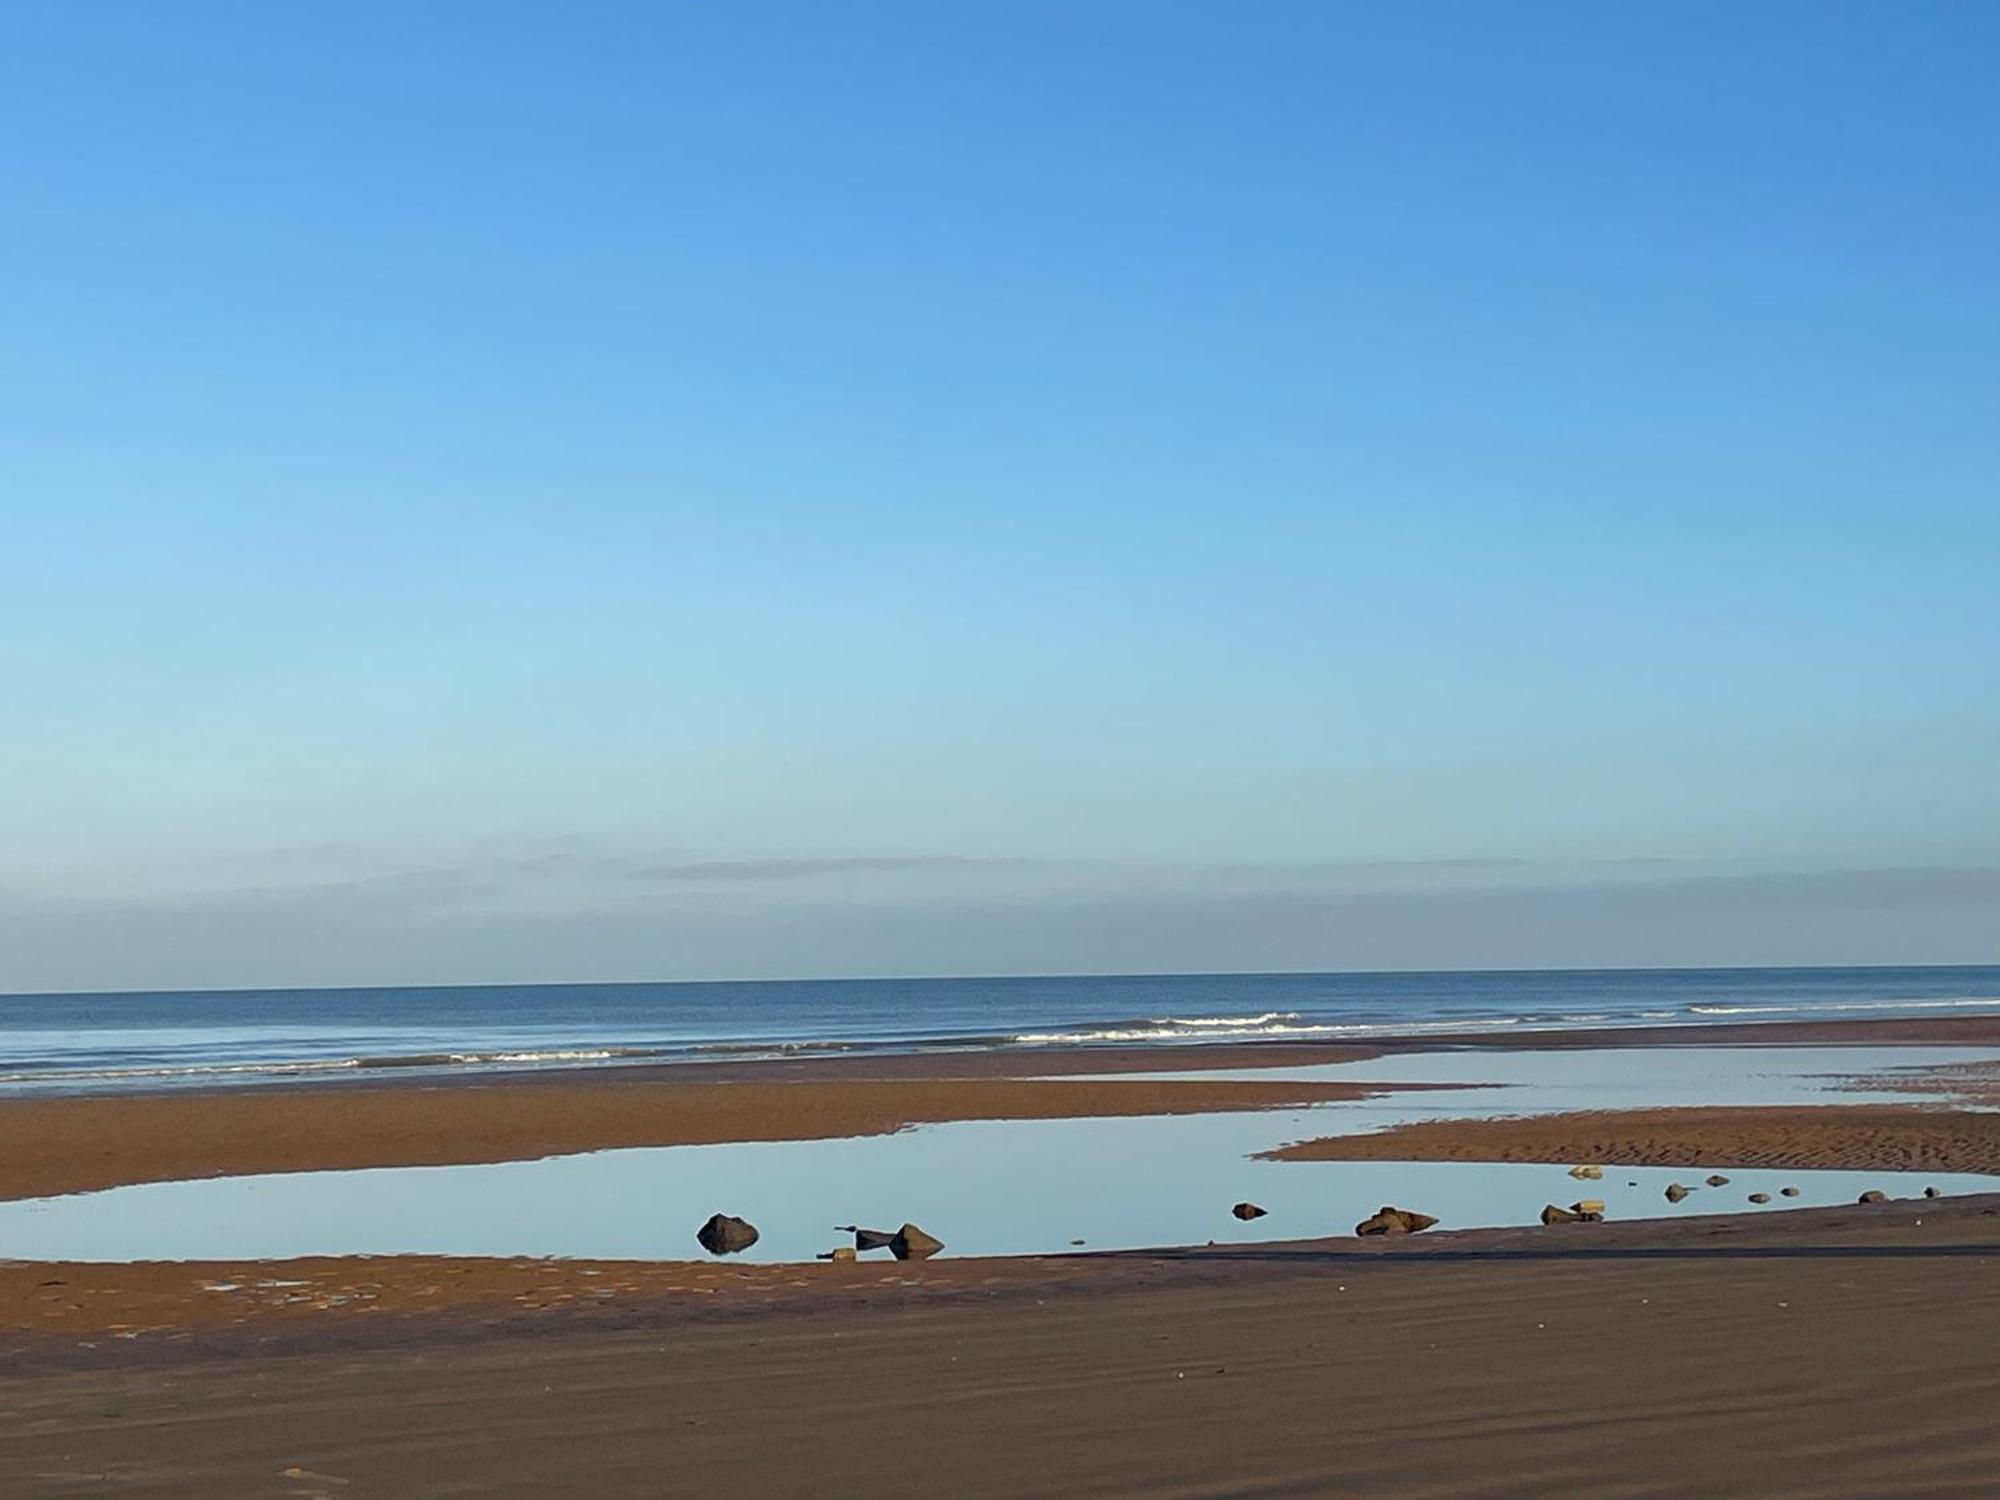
point(984, 1187)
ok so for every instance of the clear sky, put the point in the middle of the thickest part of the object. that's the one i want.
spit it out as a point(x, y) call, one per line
point(586, 490)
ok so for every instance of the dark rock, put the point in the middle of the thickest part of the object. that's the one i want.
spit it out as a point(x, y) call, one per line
point(1788, 1192)
point(1553, 1215)
point(1931, 1192)
point(911, 1243)
point(868, 1239)
point(1873, 1195)
point(1760, 1197)
point(1718, 1180)
point(1675, 1192)
point(1389, 1220)
point(1248, 1211)
point(1590, 1210)
point(724, 1234)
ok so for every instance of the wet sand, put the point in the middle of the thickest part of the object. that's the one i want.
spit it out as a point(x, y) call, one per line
point(80, 1142)
point(1881, 1138)
point(1830, 1352)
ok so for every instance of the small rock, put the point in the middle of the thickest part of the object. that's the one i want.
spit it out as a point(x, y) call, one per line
point(1788, 1192)
point(911, 1243)
point(1760, 1197)
point(1586, 1174)
point(1588, 1207)
point(1718, 1180)
point(1248, 1211)
point(725, 1234)
point(1389, 1220)
point(1873, 1195)
point(1675, 1192)
point(867, 1239)
point(1931, 1192)
point(838, 1252)
point(1553, 1215)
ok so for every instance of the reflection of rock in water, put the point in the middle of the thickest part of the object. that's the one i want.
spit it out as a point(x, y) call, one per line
point(911, 1243)
point(868, 1239)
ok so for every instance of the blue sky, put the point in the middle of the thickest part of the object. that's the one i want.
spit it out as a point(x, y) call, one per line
point(501, 491)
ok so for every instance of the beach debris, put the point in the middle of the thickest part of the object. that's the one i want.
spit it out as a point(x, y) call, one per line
point(725, 1234)
point(838, 1252)
point(1248, 1211)
point(1553, 1215)
point(1873, 1195)
point(868, 1239)
point(1388, 1220)
point(1788, 1192)
point(1586, 1174)
point(911, 1243)
point(1718, 1180)
point(1760, 1197)
point(1675, 1192)
point(1931, 1192)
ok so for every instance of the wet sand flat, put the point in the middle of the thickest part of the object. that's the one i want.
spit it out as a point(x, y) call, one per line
point(1888, 1139)
point(80, 1142)
point(1827, 1352)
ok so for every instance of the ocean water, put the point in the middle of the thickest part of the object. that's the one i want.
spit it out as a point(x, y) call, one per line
point(164, 1039)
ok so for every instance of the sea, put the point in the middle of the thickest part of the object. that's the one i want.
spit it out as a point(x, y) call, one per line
point(151, 1040)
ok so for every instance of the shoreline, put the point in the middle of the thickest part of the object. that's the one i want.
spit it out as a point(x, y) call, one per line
point(76, 1142)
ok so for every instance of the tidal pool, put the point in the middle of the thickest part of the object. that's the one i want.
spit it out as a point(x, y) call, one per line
point(994, 1187)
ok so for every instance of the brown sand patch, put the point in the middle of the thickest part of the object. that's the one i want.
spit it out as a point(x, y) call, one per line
point(71, 1144)
point(1890, 1138)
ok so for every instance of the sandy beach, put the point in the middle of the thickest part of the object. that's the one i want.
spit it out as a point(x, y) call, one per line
point(1821, 1351)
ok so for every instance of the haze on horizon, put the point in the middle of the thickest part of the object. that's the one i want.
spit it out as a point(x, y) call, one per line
point(515, 492)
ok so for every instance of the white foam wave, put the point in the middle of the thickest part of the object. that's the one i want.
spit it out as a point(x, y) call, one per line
point(1166, 1033)
point(1814, 1007)
point(1268, 1018)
